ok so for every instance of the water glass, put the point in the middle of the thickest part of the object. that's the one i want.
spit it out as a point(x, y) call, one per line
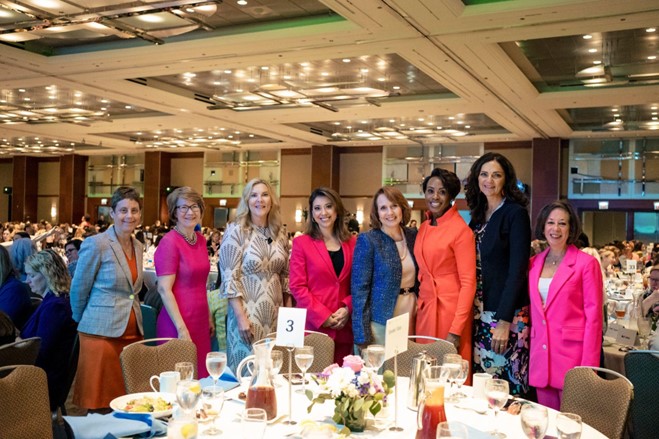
point(182, 428)
point(453, 363)
point(212, 400)
point(455, 430)
point(304, 360)
point(253, 423)
point(374, 356)
point(185, 369)
point(496, 392)
point(534, 420)
point(188, 393)
point(215, 364)
point(568, 426)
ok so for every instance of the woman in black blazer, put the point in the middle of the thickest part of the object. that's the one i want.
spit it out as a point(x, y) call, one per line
point(502, 229)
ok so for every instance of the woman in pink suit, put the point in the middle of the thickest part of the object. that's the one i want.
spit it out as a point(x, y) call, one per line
point(320, 268)
point(565, 286)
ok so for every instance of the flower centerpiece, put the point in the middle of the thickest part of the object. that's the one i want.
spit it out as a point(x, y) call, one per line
point(355, 390)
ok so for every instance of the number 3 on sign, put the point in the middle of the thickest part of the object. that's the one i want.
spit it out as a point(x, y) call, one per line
point(290, 327)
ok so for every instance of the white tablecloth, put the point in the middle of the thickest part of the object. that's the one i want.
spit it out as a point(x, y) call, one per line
point(509, 424)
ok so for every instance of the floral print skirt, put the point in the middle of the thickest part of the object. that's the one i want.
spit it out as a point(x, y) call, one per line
point(513, 365)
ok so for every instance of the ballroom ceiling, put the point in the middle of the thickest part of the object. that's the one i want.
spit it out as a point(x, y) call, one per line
point(113, 76)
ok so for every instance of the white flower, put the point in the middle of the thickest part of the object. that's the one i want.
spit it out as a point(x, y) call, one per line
point(351, 391)
point(339, 380)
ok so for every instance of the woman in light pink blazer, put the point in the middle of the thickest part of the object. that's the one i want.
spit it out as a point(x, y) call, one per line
point(320, 268)
point(565, 285)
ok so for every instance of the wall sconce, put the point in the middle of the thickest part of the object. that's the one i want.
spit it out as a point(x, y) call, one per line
point(53, 212)
point(603, 205)
point(360, 215)
point(411, 204)
point(298, 215)
point(656, 205)
point(223, 202)
point(104, 201)
point(212, 172)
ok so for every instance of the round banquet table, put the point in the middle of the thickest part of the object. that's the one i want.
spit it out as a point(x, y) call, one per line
point(229, 421)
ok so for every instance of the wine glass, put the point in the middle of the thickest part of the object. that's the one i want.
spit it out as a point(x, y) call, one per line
point(568, 426)
point(534, 420)
point(644, 325)
point(253, 423)
point(215, 364)
point(453, 363)
point(621, 310)
point(455, 430)
point(460, 379)
point(496, 392)
point(374, 356)
point(212, 400)
point(182, 428)
point(304, 359)
point(185, 369)
point(188, 393)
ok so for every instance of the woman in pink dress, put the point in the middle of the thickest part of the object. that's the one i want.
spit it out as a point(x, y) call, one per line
point(182, 266)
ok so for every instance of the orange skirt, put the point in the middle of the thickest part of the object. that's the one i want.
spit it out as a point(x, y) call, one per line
point(99, 379)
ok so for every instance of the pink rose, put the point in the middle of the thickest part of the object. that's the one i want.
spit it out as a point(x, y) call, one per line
point(328, 370)
point(354, 362)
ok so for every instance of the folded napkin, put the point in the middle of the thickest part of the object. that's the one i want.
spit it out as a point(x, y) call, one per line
point(96, 426)
point(227, 381)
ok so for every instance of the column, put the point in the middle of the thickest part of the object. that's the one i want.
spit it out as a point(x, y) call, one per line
point(72, 188)
point(325, 166)
point(25, 184)
point(546, 176)
point(157, 176)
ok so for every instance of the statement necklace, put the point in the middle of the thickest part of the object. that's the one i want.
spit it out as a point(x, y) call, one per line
point(191, 241)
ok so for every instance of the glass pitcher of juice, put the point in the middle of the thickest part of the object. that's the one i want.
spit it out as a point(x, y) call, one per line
point(261, 392)
point(431, 411)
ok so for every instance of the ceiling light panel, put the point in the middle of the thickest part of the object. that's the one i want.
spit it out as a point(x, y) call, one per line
point(621, 118)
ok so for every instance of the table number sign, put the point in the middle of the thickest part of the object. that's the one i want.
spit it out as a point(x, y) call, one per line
point(627, 337)
point(613, 330)
point(396, 335)
point(290, 327)
point(631, 266)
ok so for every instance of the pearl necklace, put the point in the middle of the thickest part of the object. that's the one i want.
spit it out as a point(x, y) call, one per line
point(191, 241)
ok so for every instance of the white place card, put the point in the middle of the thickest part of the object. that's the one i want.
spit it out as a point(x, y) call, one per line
point(613, 330)
point(396, 335)
point(631, 266)
point(627, 337)
point(290, 327)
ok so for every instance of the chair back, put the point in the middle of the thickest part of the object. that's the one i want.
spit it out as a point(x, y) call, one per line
point(70, 373)
point(323, 352)
point(24, 404)
point(20, 352)
point(642, 369)
point(149, 317)
point(603, 404)
point(139, 361)
point(435, 347)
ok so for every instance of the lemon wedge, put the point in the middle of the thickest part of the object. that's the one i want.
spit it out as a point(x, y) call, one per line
point(195, 388)
point(189, 431)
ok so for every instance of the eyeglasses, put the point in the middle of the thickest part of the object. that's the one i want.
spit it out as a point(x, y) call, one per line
point(184, 208)
point(652, 279)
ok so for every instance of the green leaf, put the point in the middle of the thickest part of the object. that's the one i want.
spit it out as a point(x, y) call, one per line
point(358, 404)
point(337, 418)
point(309, 394)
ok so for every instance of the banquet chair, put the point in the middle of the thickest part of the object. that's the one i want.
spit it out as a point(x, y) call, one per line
point(70, 373)
point(24, 404)
point(437, 349)
point(149, 316)
point(20, 352)
point(642, 369)
point(603, 404)
point(323, 351)
point(139, 361)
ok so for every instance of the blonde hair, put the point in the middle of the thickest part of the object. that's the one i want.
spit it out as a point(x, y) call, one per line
point(243, 216)
point(52, 267)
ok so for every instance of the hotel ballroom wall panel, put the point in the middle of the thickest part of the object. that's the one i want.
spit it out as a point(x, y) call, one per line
point(6, 177)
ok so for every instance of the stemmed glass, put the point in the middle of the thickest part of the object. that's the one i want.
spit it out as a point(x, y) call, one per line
point(534, 420)
point(374, 356)
point(460, 380)
point(621, 310)
point(455, 430)
point(253, 423)
point(568, 426)
point(304, 359)
point(277, 362)
point(496, 392)
point(453, 365)
point(187, 395)
point(215, 364)
point(212, 399)
point(644, 329)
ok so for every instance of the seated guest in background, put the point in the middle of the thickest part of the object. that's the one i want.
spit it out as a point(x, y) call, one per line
point(14, 294)
point(48, 277)
point(320, 268)
point(565, 287)
point(182, 267)
point(384, 271)
point(213, 243)
point(105, 302)
point(71, 250)
point(19, 252)
point(651, 298)
point(7, 329)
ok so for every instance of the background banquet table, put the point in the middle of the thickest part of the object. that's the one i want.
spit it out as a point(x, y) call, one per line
point(478, 423)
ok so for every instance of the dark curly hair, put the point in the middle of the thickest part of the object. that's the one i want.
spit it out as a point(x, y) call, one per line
point(450, 181)
point(476, 200)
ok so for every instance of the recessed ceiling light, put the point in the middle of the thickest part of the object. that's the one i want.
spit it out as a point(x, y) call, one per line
point(346, 60)
point(152, 18)
point(363, 70)
point(587, 37)
point(597, 62)
point(396, 87)
point(21, 90)
point(650, 29)
point(654, 107)
point(592, 50)
point(652, 57)
point(265, 68)
point(242, 2)
point(128, 107)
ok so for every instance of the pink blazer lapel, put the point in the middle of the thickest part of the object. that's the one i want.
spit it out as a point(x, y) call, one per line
point(323, 254)
point(347, 260)
point(534, 276)
point(565, 271)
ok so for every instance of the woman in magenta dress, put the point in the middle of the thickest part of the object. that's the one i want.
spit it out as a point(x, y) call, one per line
point(182, 266)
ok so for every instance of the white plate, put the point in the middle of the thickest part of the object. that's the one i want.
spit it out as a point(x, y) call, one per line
point(119, 404)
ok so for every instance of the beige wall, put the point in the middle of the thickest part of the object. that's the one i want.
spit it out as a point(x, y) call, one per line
point(6, 178)
point(48, 191)
point(295, 175)
point(361, 174)
point(188, 172)
point(522, 160)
